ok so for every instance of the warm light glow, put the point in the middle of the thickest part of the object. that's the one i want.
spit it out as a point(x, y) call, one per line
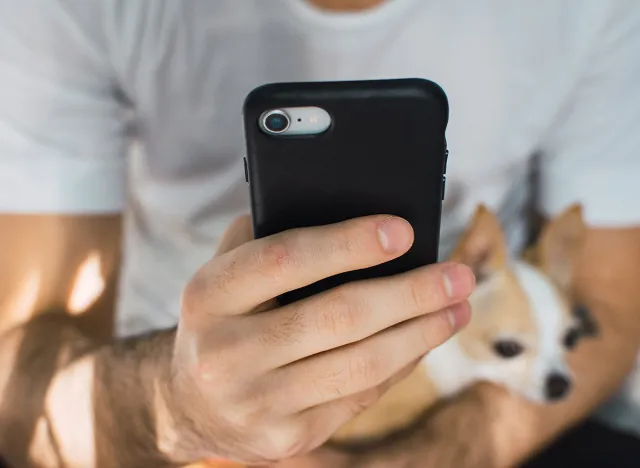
point(88, 285)
point(22, 304)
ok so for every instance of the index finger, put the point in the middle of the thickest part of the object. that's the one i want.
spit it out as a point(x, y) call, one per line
point(260, 270)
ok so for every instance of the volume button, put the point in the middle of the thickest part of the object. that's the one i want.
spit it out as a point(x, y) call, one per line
point(246, 170)
point(446, 160)
point(444, 185)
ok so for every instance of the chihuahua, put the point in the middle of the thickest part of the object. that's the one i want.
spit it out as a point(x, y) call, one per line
point(522, 327)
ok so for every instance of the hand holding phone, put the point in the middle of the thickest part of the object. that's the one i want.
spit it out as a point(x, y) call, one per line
point(255, 383)
point(258, 387)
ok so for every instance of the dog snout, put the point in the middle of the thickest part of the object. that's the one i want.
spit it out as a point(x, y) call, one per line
point(557, 386)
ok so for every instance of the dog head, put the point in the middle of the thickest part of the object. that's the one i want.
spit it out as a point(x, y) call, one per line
point(524, 322)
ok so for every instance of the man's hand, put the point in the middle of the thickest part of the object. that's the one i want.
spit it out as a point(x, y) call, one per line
point(260, 387)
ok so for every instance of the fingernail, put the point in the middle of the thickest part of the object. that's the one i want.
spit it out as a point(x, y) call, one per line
point(459, 281)
point(458, 316)
point(395, 234)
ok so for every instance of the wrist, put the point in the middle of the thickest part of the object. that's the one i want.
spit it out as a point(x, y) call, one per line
point(183, 424)
point(129, 372)
point(161, 380)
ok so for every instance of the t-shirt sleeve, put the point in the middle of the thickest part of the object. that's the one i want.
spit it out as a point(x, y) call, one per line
point(593, 156)
point(62, 125)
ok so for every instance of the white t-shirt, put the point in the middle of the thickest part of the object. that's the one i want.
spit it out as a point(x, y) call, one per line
point(79, 78)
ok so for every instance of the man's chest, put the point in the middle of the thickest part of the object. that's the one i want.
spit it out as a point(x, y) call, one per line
point(191, 79)
point(505, 82)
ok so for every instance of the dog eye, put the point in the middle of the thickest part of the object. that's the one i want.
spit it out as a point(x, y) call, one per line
point(508, 348)
point(588, 325)
point(571, 339)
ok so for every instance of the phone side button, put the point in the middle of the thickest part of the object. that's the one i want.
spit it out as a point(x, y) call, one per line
point(444, 185)
point(246, 170)
point(446, 160)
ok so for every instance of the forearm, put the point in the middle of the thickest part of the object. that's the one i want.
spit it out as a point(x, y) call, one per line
point(30, 356)
point(68, 400)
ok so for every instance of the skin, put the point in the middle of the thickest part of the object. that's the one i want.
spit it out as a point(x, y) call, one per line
point(322, 360)
point(511, 428)
point(307, 367)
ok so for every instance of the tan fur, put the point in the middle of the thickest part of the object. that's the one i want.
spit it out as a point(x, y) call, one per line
point(484, 248)
point(394, 411)
point(483, 235)
point(560, 242)
point(507, 306)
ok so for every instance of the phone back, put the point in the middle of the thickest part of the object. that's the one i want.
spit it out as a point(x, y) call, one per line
point(384, 153)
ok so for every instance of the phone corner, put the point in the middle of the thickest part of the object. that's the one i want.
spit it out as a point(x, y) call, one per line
point(429, 89)
point(256, 95)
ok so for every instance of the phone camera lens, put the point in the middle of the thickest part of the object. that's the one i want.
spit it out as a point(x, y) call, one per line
point(275, 122)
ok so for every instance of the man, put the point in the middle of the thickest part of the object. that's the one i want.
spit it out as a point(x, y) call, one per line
point(78, 79)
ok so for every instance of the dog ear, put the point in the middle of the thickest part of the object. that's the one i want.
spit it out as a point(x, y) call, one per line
point(482, 247)
point(559, 245)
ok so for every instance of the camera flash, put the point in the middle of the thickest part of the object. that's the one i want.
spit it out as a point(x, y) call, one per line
point(313, 119)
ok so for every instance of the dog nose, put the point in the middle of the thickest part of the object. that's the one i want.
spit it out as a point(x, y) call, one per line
point(557, 386)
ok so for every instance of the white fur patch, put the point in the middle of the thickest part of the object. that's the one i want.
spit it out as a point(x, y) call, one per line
point(548, 314)
point(451, 369)
point(69, 405)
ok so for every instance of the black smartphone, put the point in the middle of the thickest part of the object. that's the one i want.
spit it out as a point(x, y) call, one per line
point(324, 152)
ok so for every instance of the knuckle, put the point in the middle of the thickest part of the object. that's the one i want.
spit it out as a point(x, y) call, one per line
point(213, 278)
point(329, 384)
point(194, 294)
point(365, 399)
point(436, 332)
point(366, 368)
point(246, 412)
point(275, 258)
point(223, 276)
point(285, 443)
point(240, 418)
point(340, 314)
point(425, 291)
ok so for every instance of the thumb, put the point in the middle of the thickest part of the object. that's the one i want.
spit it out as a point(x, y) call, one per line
point(239, 232)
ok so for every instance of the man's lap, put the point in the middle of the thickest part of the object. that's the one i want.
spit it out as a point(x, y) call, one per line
point(591, 444)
